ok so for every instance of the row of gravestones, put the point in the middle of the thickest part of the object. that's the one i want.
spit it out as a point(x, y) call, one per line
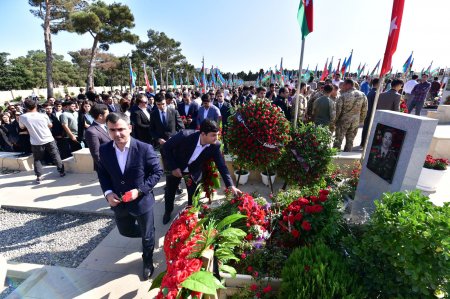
point(398, 145)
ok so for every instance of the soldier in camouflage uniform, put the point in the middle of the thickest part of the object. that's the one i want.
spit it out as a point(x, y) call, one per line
point(314, 96)
point(351, 110)
point(301, 104)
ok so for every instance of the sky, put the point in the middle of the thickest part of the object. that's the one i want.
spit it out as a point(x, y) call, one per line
point(243, 35)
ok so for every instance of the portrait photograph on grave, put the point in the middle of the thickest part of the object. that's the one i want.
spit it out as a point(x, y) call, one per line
point(386, 148)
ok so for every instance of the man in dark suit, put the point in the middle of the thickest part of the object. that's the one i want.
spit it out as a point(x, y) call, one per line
point(390, 100)
point(188, 110)
point(141, 120)
point(225, 111)
point(164, 122)
point(97, 133)
point(185, 155)
point(128, 171)
point(109, 101)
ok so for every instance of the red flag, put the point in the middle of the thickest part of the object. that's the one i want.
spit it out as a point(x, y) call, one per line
point(394, 32)
point(325, 71)
point(147, 83)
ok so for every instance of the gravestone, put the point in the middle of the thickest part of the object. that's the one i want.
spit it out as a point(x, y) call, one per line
point(397, 169)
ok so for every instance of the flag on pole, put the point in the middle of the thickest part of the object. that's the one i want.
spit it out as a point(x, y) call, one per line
point(187, 79)
point(132, 76)
point(394, 33)
point(181, 80)
point(147, 82)
point(344, 66)
point(174, 83)
point(375, 68)
point(213, 79)
point(330, 66)
point(203, 81)
point(429, 68)
point(412, 63)
point(338, 66)
point(155, 83)
point(305, 17)
point(315, 72)
point(349, 62)
point(407, 64)
point(325, 71)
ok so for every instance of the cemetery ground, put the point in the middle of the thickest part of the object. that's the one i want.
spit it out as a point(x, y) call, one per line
point(111, 267)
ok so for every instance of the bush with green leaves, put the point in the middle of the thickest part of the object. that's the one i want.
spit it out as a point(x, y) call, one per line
point(404, 251)
point(317, 271)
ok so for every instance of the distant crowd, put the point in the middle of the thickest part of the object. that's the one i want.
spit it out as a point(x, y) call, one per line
point(342, 105)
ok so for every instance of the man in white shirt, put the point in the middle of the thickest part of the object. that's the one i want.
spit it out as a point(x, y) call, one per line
point(41, 139)
point(337, 80)
point(407, 89)
point(128, 171)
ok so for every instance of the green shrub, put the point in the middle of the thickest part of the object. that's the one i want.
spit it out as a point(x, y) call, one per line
point(318, 272)
point(404, 251)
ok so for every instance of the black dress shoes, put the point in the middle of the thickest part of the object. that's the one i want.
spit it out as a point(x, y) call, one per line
point(166, 218)
point(148, 270)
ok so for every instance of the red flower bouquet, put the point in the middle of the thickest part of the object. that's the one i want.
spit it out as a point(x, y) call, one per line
point(403, 107)
point(210, 179)
point(302, 219)
point(436, 164)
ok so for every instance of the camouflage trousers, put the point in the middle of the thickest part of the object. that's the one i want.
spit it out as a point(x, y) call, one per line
point(347, 130)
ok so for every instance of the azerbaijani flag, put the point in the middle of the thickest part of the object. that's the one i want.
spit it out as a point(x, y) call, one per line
point(174, 83)
point(305, 17)
point(132, 76)
point(375, 68)
point(147, 83)
point(155, 84)
point(407, 63)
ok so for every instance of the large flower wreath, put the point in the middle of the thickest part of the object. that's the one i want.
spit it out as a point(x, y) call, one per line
point(307, 157)
point(257, 133)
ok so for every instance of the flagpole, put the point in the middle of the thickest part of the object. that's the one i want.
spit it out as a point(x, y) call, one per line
point(372, 115)
point(300, 71)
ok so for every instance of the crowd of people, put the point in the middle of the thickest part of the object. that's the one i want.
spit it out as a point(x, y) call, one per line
point(342, 105)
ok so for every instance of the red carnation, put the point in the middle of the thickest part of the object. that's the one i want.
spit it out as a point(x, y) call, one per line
point(306, 225)
point(295, 233)
point(267, 289)
point(253, 287)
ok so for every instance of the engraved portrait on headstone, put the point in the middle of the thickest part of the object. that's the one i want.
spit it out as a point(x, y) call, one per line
point(386, 147)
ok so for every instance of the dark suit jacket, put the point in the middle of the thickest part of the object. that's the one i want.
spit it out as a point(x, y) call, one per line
point(57, 129)
point(142, 171)
point(193, 112)
point(225, 111)
point(94, 137)
point(159, 130)
point(115, 109)
point(179, 149)
point(389, 100)
point(141, 126)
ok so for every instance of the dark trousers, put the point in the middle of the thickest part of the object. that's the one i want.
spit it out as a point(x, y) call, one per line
point(365, 129)
point(416, 104)
point(138, 226)
point(172, 183)
point(39, 155)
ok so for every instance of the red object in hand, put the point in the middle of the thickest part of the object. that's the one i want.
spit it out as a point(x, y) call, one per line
point(127, 197)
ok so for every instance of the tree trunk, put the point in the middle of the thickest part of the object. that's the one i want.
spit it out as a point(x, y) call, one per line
point(90, 78)
point(48, 50)
point(167, 78)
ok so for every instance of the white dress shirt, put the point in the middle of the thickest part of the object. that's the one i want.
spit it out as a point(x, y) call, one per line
point(121, 158)
point(205, 113)
point(198, 150)
point(145, 112)
point(409, 86)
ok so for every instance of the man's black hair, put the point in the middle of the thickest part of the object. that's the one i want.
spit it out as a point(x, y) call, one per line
point(159, 97)
point(350, 82)
point(97, 110)
point(415, 77)
point(30, 104)
point(206, 97)
point(328, 88)
point(208, 126)
point(396, 82)
point(114, 117)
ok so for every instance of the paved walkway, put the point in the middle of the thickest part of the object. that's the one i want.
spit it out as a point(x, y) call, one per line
point(113, 269)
